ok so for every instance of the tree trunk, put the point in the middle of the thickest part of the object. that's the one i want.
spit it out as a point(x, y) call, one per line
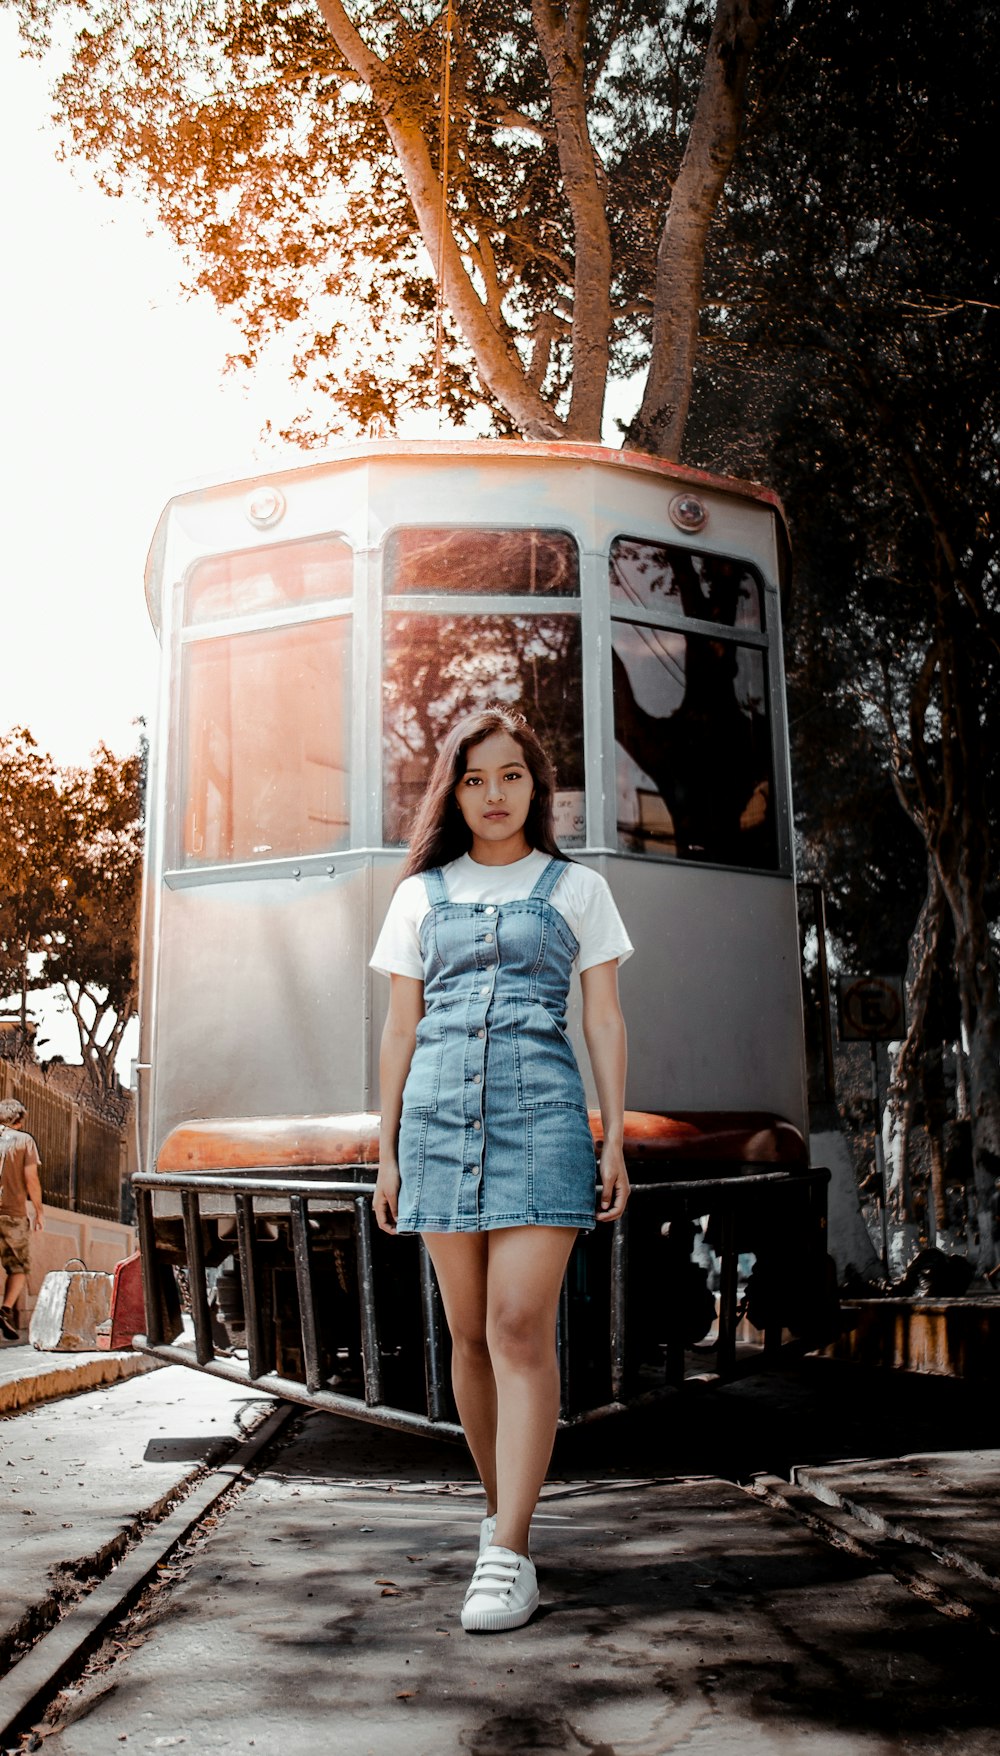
point(680, 264)
point(981, 1022)
point(562, 37)
point(905, 1084)
point(962, 855)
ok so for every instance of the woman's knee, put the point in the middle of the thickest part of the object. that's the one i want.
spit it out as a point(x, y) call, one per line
point(469, 1340)
point(521, 1335)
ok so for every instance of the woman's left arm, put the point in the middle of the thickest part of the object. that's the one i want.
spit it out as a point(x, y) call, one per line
point(604, 1032)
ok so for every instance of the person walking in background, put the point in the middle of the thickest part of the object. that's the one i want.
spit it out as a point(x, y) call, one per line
point(19, 1184)
point(485, 1146)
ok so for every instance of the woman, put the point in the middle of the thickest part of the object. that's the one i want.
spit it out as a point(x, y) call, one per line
point(485, 1148)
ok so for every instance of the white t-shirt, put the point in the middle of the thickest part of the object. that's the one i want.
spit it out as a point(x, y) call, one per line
point(581, 896)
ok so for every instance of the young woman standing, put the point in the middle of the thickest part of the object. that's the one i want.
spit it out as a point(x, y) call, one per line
point(486, 1149)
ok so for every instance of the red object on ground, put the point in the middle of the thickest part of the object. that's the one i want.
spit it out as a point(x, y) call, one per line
point(128, 1313)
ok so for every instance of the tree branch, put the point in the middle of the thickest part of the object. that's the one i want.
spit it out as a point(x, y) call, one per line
point(562, 38)
point(490, 338)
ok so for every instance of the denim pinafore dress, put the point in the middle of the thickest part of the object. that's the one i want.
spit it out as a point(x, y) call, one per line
point(494, 1128)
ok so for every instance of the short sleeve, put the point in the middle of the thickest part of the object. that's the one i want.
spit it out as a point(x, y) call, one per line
point(601, 930)
point(397, 949)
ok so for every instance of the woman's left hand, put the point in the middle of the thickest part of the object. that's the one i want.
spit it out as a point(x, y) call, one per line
point(614, 1182)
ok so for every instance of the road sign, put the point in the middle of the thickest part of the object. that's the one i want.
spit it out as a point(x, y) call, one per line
point(871, 1009)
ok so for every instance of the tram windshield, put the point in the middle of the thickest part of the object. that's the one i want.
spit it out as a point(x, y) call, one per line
point(266, 719)
point(663, 576)
point(497, 563)
point(471, 616)
point(438, 664)
point(268, 579)
point(694, 767)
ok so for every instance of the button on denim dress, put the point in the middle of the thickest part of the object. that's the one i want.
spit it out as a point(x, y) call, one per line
point(494, 1128)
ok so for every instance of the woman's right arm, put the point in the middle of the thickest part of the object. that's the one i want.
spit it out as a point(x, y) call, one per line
point(406, 1009)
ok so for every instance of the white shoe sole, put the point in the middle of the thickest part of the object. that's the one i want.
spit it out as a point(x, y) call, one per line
point(497, 1621)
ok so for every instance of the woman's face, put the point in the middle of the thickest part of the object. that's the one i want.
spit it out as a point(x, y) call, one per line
point(495, 793)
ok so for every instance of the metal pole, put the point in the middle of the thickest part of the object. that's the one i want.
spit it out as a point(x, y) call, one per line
point(299, 1208)
point(371, 1353)
point(197, 1286)
point(430, 1303)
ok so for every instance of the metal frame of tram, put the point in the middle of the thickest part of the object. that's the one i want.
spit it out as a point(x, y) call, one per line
point(291, 1198)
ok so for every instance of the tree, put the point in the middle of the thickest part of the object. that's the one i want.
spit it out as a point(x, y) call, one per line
point(31, 882)
point(94, 952)
point(70, 874)
point(552, 168)
point(858, 368)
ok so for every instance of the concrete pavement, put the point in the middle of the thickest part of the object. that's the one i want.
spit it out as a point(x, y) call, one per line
point(320, 1616)
point(79, 1477)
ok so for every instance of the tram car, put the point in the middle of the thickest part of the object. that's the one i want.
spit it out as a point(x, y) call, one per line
point(320, 629)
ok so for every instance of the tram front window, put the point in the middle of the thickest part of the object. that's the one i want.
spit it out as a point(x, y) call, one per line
point(438, 667)
point(695, 778)
point(494, 563)
point(268, 578)
point(266, 742)
point(664, 576)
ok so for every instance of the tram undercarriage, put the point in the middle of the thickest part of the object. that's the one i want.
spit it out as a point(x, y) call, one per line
point(293, 1289)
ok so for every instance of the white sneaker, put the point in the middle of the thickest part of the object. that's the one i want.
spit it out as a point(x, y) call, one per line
point(487, 1531)
point(503, 1593)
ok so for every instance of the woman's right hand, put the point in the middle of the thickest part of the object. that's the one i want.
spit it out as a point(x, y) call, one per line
point(385, 1201)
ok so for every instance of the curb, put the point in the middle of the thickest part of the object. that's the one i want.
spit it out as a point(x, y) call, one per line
point(949, 1588)
point(44, 1377)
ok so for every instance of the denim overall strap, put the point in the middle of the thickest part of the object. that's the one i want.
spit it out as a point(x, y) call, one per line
point(434, 881)
point(548, 880)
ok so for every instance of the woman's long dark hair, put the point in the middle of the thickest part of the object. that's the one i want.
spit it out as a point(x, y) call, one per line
point(440, 832)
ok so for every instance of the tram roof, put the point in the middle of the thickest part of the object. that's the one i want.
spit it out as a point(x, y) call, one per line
point(544, 450)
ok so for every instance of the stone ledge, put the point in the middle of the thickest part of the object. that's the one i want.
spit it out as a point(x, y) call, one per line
point(28, 1377)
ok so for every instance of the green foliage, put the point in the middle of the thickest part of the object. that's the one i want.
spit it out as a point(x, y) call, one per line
point(32, 886)
point(268, 160)
point(70, 872)
point(850, 357)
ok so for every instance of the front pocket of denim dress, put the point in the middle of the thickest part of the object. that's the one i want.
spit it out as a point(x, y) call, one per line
point(423, 1082)
point(545, 1065)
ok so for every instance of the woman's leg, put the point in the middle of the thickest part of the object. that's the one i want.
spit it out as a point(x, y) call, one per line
point(524, 1276)
point(460, 1260)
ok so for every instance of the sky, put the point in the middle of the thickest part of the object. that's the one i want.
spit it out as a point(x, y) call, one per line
point(113, 397)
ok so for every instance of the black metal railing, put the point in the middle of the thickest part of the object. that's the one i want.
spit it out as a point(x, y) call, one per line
point(267, 1195)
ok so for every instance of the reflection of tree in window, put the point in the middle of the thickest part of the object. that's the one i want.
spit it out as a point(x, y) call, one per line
point(439, 667)
point(691, 718)
point(266, 743)
point(516, 563)
point(708, 588)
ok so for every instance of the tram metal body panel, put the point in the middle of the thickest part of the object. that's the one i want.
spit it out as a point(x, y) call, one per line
point(257, 1001)
point(261, 997)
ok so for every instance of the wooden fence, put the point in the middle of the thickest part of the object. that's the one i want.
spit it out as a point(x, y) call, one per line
point(84, 1159)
